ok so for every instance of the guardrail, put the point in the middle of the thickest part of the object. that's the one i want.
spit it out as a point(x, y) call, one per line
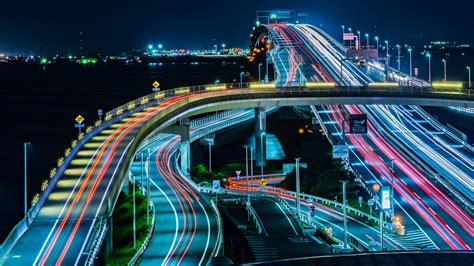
point(138, 255)
point(99, 237)
point(255, 218)
point(153, 99)
point(219, 247)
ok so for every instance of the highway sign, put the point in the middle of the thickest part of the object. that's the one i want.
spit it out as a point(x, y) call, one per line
point(216, 185)
point(386, 203)
point(156, 84)
point(348, 36)
point(340, 151)
point(79, 125)
point(371, 202)
point(79, 119)
point(357, 123)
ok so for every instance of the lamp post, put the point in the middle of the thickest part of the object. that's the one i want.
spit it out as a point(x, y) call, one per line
point(391, 185)
point(428, 55)
point(343, 31)
point(298, 200)
point(210, 156)
point(398, 48)
point(350, 41)
point(241, 75)
point(469, 76)
point(367, 37)
point(247, 170)
point(344, 211)
point(134, 218)
point(251, 162)
point(358, 33)
point(261, 152)
point(445, 75)
point(410, 50)
point(25, 154)
point(377, 43)
point(259, 72)
point(386, 47)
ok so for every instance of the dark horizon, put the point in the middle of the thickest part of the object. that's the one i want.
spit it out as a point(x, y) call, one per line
point(120, 26)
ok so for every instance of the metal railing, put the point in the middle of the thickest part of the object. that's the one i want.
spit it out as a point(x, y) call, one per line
point(213, 91)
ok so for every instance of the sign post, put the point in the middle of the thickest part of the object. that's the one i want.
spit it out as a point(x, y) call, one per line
point(156, 86)
point(79, 122)
point(237, 173)
point(100, 113)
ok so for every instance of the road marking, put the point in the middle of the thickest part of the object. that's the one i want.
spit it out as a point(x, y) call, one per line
point(102, 201)
point(65, 204)
point(288, 218)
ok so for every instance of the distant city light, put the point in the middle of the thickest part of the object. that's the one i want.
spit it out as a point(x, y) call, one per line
point(160, 46)
point(150, 47)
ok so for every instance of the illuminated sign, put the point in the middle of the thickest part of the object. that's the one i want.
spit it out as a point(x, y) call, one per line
point(340, 151)
point(386, 203)
point(358, 123)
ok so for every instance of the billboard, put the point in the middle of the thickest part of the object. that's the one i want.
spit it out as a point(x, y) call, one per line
point(358, 123)
point(386, 202)
point(340, 151)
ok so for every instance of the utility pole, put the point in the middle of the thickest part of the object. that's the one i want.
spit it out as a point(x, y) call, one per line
point(134, 218)
point(345, 211)
point(148, 191)
point(298, 198)
point(25, 151)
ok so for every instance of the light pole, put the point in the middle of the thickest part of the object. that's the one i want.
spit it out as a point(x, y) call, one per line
point(377, 43)
point(391, 185)
point(259, 73)
point(134, 218)
point(298, 200)
point(25, 154)
point(241, 75)
point(367, 37)
point(429, 67)
point(445, 75)
point(386, 47)
point(398, 48)
point(350, 41)
point(261, 152)
point(247, 170)
point(343, 31)
point(469, 76)
point(251, 162)
point(358, 33)
point(344, 210)
point(410, 50)
point(148, 191)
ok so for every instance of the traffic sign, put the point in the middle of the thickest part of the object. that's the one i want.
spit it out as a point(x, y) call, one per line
point(340, 151)
point(79, 125)
point(376, 187)
point(156, 84)
point(79, 119)
point(371, 202)
point(238, 174)
point(263, 182)
point(100, 112)
point(386, 203)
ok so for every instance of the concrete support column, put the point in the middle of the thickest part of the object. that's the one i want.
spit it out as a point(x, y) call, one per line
point(185, 151)
point(260, 136)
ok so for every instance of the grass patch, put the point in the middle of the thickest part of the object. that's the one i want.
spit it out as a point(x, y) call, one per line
point(123, 227)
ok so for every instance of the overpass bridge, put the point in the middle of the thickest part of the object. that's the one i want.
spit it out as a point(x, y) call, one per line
point(84, 188)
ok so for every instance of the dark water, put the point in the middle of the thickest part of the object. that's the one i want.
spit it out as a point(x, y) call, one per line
point(39, 106)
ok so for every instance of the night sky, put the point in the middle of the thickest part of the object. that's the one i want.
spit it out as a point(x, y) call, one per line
point(120, 25)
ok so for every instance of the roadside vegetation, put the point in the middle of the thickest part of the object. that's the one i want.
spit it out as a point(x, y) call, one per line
point(123, 227)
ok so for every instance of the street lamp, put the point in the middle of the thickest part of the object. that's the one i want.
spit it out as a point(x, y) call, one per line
point(343, 31)
point(469, 76)
point(350, 41)
point(391, 184)
point(358, 40)
point(445, 75)
point(410, 51)
point(25, 150)
point(223, 46)
point(160, 46)
point(150, 47)
point(259, 72)
point(367, 37)
point(398, 48)
point(386, 47)
point(247, 171)
point(241, 75)
point(428, 55)
point(298, 200)
point(261, 152)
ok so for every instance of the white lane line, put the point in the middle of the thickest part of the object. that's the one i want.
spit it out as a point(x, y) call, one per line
point(288, 218)
point(102, 201)
point(65, 204)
